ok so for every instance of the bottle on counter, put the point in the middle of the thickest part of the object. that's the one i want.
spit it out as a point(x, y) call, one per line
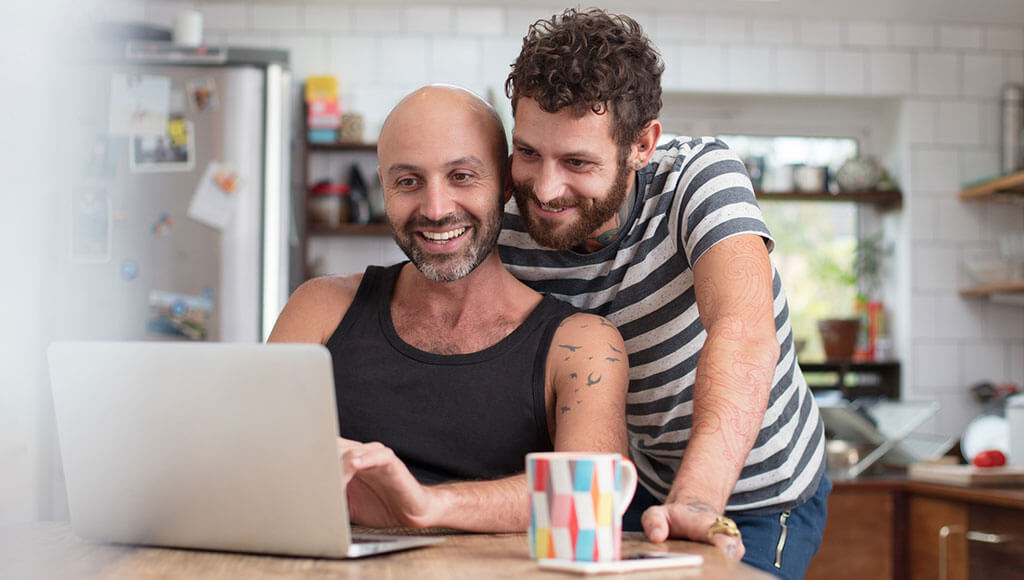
point(359, 194)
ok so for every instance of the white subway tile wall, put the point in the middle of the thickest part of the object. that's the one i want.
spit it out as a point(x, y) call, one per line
point(945, 78)
point(890, 73)
point(867, 34)
point(277, 17)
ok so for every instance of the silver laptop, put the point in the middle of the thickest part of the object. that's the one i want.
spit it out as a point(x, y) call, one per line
point(211, 446)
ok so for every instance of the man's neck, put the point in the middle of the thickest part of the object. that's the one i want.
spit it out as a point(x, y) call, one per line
point(603, 236)
point(463, 316)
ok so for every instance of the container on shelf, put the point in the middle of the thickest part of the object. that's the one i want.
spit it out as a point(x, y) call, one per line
point(329, 203)
point(1011, 158)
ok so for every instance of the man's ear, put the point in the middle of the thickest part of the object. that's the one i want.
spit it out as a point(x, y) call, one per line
point(643, 147)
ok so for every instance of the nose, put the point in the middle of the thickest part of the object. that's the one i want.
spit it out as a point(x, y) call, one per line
point(548, 184)
point(437, 201)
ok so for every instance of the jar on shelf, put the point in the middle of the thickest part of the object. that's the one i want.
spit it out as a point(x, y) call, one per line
point(329, 204)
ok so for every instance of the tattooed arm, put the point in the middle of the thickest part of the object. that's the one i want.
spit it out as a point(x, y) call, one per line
point(587, 378)
point(733, 283)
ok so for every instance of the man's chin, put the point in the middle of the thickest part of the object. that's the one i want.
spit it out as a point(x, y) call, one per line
point(547, 234)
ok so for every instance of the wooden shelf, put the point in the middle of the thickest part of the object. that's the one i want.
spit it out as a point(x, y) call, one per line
point(1008, 188)
point(867, 378)
point(889, 199)
point(343, 146)
point(990, 289)
point(350, 230)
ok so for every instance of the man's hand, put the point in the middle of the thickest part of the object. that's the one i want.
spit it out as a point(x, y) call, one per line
point(381, 491)
point(689, 521)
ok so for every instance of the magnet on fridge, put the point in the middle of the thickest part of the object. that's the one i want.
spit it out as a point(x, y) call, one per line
point(179, 314)
point(162, 226)
point(129, 270)
point(172, 150)
point(139, 104)
point(213, 203)
point(90, 225)
point(202, 94)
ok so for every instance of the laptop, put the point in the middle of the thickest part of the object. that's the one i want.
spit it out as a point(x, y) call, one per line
point(211, 446)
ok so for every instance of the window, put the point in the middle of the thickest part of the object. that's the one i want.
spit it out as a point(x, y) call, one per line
point(815, 241)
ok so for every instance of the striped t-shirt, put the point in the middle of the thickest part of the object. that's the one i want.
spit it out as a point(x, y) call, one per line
point(693, 194)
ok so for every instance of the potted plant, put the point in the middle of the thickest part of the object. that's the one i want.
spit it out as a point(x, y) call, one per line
point(840, 335)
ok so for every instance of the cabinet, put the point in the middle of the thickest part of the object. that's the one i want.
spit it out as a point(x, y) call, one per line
point(893, 528)
point(1006, 189)
point(965, 533)
point(863, 533)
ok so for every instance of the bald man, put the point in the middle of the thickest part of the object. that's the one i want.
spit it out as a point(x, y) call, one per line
point(447, 369)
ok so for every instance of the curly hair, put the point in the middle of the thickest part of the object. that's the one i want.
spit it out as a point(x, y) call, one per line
point(590, 61)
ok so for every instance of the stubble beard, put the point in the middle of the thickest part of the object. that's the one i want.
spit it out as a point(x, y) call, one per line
point(592, 213)
point(449, 267)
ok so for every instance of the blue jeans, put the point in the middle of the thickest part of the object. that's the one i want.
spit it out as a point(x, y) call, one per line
point(805, 525)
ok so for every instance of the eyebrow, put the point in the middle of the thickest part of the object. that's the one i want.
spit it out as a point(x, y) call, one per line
point(467, 160)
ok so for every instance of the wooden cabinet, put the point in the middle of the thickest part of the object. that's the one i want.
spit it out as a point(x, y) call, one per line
point(862, 534)
point(965, 533)
point(936, 547)
point(894, 528)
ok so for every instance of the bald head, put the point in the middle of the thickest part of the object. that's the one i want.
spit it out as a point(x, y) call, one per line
point(443, 111)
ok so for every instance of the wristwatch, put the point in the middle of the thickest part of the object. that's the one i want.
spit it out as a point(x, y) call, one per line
point(723, 525)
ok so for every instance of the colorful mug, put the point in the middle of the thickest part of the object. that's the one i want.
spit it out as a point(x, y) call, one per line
point(576, 504)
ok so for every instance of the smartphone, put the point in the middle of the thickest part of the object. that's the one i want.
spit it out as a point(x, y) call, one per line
point(645, 561)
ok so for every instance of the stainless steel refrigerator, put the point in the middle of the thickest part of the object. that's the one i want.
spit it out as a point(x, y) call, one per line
point(175, 219)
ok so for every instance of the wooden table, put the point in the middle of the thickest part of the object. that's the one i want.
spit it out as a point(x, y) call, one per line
point(51, 550)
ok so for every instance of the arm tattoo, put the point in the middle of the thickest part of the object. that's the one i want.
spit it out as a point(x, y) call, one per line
point(591, 381)
point(571, 348)
point(614, 349)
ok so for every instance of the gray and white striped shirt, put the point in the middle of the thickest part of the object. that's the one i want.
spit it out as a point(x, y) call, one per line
point(693, 194)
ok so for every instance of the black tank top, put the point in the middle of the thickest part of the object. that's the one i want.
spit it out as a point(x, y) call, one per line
point(448, 417)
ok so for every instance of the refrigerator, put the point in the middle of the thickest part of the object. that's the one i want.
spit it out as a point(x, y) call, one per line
point(175, 219)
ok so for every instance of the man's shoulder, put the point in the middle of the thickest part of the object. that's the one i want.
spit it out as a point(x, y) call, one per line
point(682, 148)
point(328, 291)
point(584, 327)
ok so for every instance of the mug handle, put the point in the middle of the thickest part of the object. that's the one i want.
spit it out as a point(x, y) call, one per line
point(627, 471)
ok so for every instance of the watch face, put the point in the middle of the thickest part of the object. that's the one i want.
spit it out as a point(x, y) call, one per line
point(859, 174)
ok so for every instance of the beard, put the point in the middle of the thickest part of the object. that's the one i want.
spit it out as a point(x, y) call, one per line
point(449, 267)
point(591, 213)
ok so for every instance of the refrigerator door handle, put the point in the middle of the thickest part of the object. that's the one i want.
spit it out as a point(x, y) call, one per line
point(276, 208)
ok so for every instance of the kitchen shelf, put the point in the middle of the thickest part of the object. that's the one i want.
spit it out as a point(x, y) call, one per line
point(889, 199)
point(1001, 288)
point(1005, 292)
point(350, 230)
point(1008, 188)
point(854, 378)
point(343, 146)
